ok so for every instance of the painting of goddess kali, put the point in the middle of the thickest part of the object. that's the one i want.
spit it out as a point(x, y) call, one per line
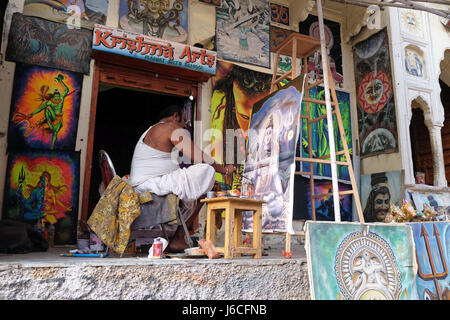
point(44, 108)
point(164, 19)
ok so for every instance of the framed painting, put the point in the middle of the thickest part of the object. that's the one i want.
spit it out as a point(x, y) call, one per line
point(45, 107)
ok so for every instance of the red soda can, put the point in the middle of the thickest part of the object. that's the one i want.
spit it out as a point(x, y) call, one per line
point(157, 248)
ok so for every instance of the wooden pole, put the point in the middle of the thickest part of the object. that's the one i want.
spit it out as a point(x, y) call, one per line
point(325, 68)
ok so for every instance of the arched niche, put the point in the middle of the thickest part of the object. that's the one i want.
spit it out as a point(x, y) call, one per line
point(415, 62)
point(421, 150)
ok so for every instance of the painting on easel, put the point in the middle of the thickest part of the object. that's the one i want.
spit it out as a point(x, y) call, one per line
point(270, 157)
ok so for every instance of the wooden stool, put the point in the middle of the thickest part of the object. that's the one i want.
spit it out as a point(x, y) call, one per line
point(234, 207)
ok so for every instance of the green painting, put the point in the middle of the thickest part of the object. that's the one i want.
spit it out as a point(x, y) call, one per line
point(353, 261)
point(319, 134)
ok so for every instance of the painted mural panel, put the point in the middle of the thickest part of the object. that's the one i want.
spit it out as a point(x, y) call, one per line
point(319, 132)
point(277, 36)
point(352, 261)
point(78, 13)
point(279, 14)
point(242, 32)
point(48, 44)
point(270, 163)
point(235, 91)
point(432, 243)
point(375, 95)
point(42, 188)
point(378, 191)
point(310, 27)
point(45, 106)
point(165, 19)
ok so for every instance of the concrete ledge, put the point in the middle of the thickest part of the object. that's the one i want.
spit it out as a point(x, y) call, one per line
point(142, 279)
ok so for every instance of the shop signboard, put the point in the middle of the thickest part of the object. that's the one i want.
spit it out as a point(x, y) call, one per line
point(156, 50)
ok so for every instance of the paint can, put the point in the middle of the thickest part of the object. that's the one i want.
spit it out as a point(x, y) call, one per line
point(157, 248)
point(211, 194)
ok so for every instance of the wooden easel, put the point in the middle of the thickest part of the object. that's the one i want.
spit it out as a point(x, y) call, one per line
point(301, 46)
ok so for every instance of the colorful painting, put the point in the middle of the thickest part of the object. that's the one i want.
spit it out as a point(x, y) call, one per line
point(378, 191)
point(217, 3)
point(319, 133)
point(375, 95)
point(48, 44)
point(235, 91)
point(164, 19)
point(353, 261)
point(279, 14)
point(414, 62)
point(270, 157)
point(42, 189)
point(242, 32)
point(432, 244)
point(45, 106)
point(430, 198)
point(324, 205)
point(77, 13)
point(277, 36)
point(310, 27)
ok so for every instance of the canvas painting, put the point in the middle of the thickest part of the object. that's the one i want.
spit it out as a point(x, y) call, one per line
point(242, 33)
point(378, 191)
point(277, 36)
point(324, 206)
point(375, 95)
point(430, 198)
point(310, 27)
point(77, 13)
point(165, 19)
point(235, 91)
point(45, 106)
point(49, 44)
point(270, 158)
point(432, 244)
point(42, 188)
point(279, 14)
point(319, 135)
point(353, 261)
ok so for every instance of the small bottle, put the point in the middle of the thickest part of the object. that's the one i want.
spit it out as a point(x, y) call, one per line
point(157, 248)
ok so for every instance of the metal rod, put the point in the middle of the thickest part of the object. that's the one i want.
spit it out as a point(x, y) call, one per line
point(414, 6)
point(324, 53)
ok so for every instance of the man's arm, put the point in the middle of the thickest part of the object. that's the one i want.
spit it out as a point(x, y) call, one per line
point(181, 140)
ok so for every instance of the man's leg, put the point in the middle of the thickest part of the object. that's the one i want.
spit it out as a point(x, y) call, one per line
point(178, 243)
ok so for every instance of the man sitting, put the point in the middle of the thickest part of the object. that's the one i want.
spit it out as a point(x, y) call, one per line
point(155, 166)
